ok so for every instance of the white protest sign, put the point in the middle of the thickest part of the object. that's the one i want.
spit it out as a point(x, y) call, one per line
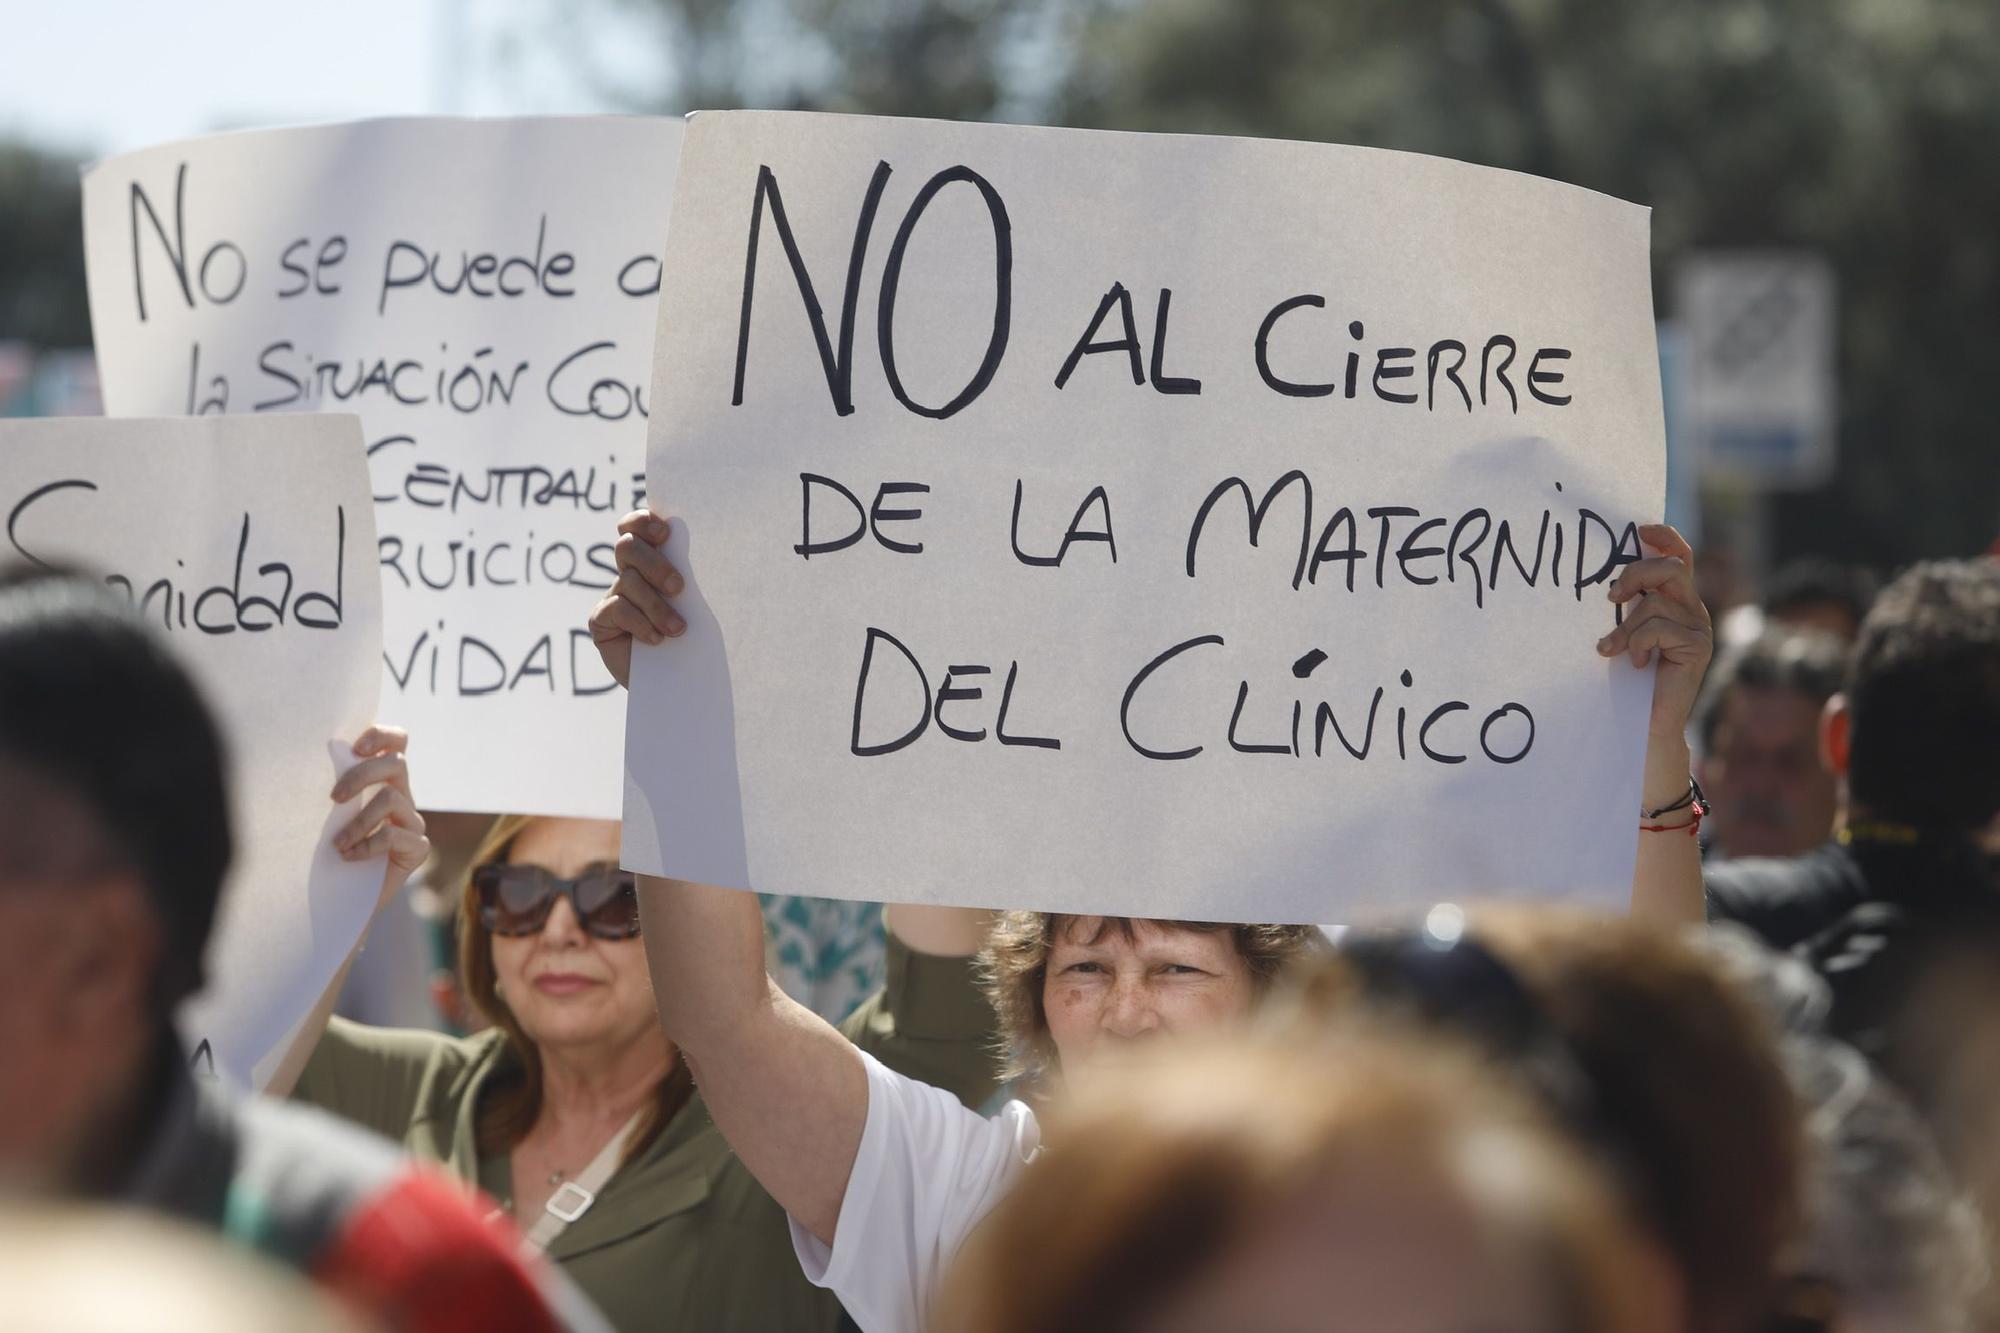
point(1185, 527)
point(250, 545)
point(482, 294)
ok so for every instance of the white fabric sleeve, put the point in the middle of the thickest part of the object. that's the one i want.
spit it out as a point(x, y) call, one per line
point(926, 1173)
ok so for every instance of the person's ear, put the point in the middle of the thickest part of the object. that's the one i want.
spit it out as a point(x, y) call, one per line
point(1836, 722)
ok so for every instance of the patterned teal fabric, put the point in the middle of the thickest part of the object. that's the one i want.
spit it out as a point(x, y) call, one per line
point(826, 954)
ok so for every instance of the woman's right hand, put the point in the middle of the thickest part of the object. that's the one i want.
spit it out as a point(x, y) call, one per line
point(388, 824)
point(637, 605)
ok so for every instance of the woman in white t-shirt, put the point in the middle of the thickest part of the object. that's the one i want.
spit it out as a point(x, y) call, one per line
point(884, 1176)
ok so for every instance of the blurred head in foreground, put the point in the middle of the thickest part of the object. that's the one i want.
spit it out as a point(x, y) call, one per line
point(1392, 1183)
point(114, 839)
point(1647, 1053)
point(100, 1271)
point(1890, 1243)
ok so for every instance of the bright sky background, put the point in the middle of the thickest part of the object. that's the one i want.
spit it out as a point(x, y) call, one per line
point(103, 76)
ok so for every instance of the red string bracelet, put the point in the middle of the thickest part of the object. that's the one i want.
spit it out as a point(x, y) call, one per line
point(1692, 828)
point(1699, 807)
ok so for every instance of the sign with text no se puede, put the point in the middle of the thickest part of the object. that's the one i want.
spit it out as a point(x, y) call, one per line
point(481, 293)
point(1181, 527)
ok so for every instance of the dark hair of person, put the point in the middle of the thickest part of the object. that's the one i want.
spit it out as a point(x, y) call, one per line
point(1157, 1178)
point(1690, 1103)
point(1805, 662)
point(1663, 1032)
point(1923, 690)
point(1889, 1228)
point(96, 713)
point(509, 1106)
point(1813, 582)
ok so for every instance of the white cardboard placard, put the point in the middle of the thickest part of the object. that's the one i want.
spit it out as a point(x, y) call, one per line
point(482, 294)
point(1051, 337)
point(250, 545)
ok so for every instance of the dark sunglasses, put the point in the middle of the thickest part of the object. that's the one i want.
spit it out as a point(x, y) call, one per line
point(1456, 983)
point(517, 899)
point(1459, 985)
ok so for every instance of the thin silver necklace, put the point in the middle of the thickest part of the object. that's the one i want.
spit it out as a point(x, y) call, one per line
point(557, 1176)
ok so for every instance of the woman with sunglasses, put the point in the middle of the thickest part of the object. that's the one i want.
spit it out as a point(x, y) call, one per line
point(577, 1114)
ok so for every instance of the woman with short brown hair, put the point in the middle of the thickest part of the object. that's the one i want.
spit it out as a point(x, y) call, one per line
point(1014, 968)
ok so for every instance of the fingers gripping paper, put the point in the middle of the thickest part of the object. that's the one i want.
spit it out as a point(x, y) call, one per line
point(250, 546)
point(1183, 527)
point(482, 293)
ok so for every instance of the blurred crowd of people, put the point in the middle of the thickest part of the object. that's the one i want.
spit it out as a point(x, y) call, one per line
point(1764, 1099)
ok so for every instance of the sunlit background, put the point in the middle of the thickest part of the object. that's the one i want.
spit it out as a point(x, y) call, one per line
point(1846, 139)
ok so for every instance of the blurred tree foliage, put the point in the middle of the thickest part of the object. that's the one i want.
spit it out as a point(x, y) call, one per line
point(1866, 129)
point(41, 249)
point(953, 59)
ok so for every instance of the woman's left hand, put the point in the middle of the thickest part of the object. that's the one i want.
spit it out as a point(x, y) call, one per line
point(1663, 618)
point(388, 822)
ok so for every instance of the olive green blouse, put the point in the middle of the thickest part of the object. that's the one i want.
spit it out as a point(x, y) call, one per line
point(682, 1237)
